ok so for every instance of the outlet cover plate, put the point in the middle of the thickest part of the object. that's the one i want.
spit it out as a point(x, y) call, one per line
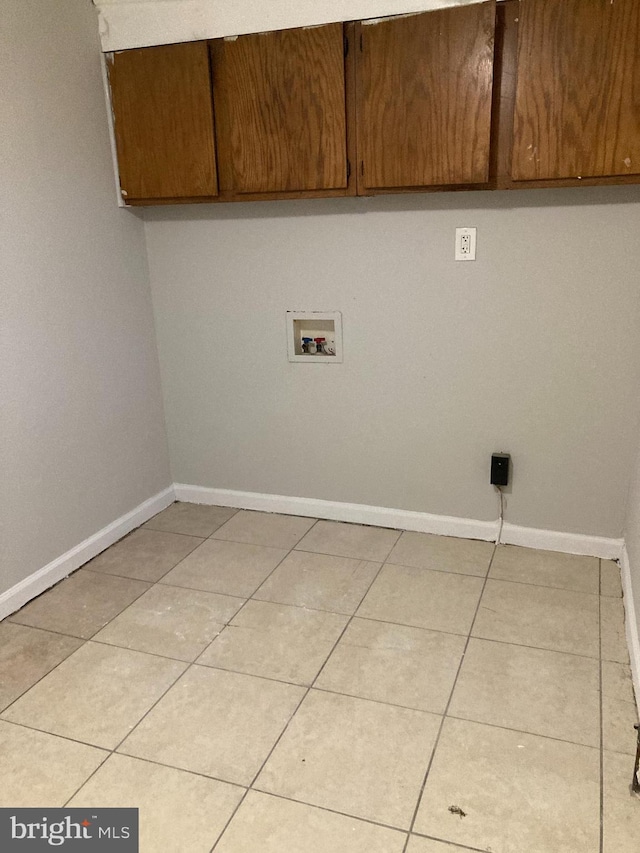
point(466, 244)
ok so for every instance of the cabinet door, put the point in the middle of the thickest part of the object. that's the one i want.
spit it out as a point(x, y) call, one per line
point(163, 121)
point(577, 111)
point(281, 110)
point(424, 98)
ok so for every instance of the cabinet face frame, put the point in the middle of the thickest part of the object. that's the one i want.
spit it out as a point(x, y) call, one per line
point(148, 86)
point(443, 161)
point(229, 190)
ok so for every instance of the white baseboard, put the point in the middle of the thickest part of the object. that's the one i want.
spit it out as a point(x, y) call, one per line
point(631, 621)
point(39, 581)
point(423, 522)
point(467, 528)
point(567, 543)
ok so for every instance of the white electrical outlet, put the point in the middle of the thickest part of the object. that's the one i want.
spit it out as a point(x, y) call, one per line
point(466, 244)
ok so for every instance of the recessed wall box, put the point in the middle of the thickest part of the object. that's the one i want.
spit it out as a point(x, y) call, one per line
point(314, 337)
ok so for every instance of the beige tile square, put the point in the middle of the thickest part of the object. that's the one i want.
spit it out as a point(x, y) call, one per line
point(540, 692)
point(546, 568)
point(38, 769)
point(26, 654)
point(614, 639)
point(442, 553)
point(520, 792)
point(191, 519)
point(357, 757)
point(265, 528)
point(441, 601)
point(144, 554)
point(394, 663)
point(271, 825)
point(557, 619)
point(96, 695)
point(276, 641)
point(172, 621)
point(621, 817)
point(417, 844)
point(350, 540)
point(221, 724)
point(610, 580)
point(228, 568)
point(178, 811)
point(619, 709)
point(320, 582)
point(81, 604)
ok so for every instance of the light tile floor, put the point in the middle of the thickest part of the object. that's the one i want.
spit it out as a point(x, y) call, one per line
point(261, 683)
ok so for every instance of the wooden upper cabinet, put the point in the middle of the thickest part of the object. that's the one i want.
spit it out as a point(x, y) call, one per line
point(577, 108)
point(424, 87)
point(280, 103)
point(163, 121)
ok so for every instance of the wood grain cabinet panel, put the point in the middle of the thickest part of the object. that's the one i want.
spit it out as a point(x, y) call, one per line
point(577, 108)
point(280, 103)
point(163, 121)
point(424, 98)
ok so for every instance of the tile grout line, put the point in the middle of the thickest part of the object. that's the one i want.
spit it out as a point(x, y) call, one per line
point(196, 662)
point(87, 566)
point(148, 711)
point(189, 664)
point(170, 532)
point(444, 715)
point(93, 639)
point(315, 610)
point(148, 524)
point(125, 755)
point(159, 582)
point(601, 827)
point(354, 818)
point(291, 718)
point(52, 734)
point(83, 642)
point(220, 780)
point(49, 671)
point(326, 809)
point(206, 666)
point(493, 578)
point(451, 844)
point(164, 693)
point(150, 584)
point(163, 583)
point(121, 741)
point(241, 608)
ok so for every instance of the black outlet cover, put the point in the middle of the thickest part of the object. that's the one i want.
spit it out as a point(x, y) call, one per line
point(500, 464)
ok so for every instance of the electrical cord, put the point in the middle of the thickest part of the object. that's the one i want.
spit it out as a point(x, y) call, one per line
point(499, 488)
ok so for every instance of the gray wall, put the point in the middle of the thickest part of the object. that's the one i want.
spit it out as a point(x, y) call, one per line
point(82, 426)
point(533, 349)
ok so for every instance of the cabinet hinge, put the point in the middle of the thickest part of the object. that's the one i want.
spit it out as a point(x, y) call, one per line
point(346, 46)
point(362, 167)
point(361, 47)
point(348, 169)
